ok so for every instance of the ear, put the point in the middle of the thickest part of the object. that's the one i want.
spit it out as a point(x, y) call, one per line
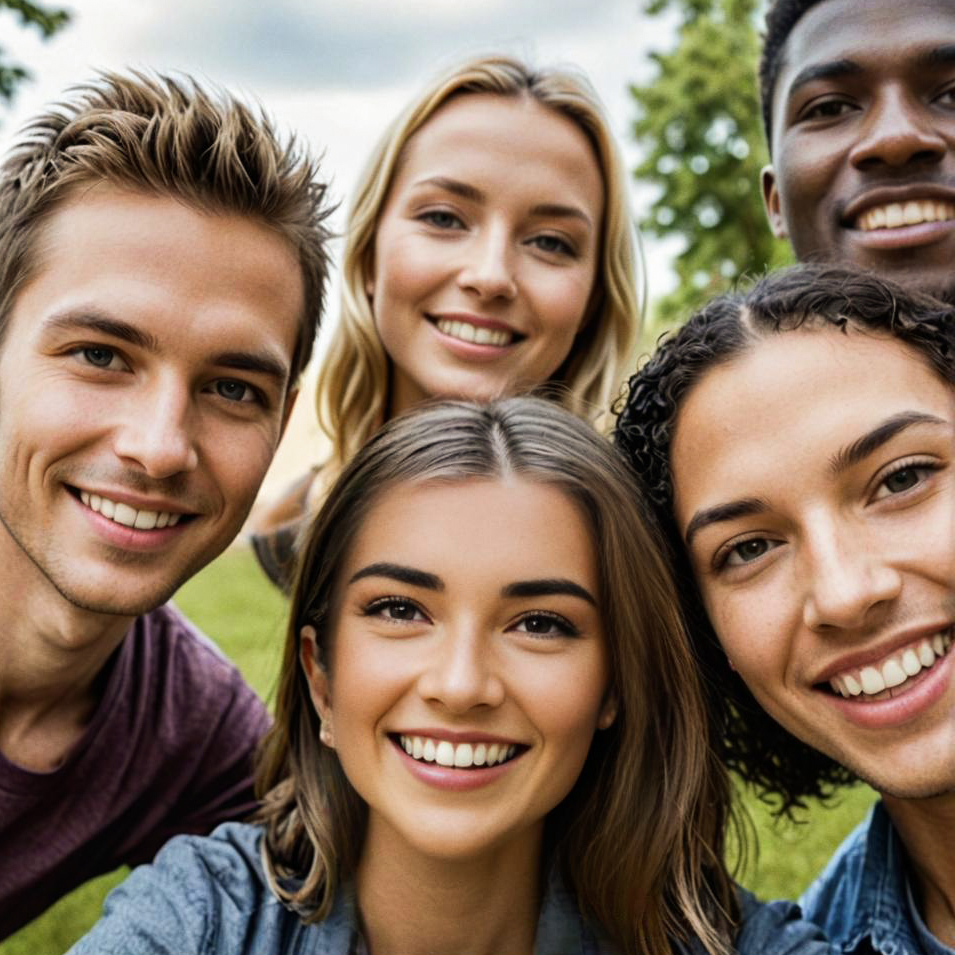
point(317, 678)
point(767, 182)
point(608, 712)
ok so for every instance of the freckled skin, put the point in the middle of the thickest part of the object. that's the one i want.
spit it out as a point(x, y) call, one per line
point(887, 124)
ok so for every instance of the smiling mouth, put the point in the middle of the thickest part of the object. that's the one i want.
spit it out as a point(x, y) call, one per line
point(895, 215)
point(442, 752)
point(890, 676)
point(120, 513)
point(476, 334)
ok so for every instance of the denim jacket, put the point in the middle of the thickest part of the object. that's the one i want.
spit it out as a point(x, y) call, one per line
point(209, 896)
point(862, 899)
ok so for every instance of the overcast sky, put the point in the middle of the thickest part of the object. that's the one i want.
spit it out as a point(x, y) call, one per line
point(337, 71)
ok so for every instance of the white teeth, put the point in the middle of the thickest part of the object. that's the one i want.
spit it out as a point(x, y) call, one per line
point(892, 215)
point(460, 755)
point(466, 332)
point(910, 662)
point(894, 670)
point(128, 516)
point(872, 681)
point(893, 674)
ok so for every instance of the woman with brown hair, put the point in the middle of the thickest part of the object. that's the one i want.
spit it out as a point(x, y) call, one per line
point(489, 733)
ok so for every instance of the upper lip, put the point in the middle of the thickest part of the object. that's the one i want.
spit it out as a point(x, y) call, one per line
point(883, 195)
point(863, 658)
point(459, 736)
point(137, 502)
point(475, 320)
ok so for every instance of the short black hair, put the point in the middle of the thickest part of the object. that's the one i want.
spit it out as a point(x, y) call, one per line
point(751, 743)
point(781, 17)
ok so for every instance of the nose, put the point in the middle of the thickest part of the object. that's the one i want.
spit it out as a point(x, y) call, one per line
point(488, 269)
point(850, 582)
point(462, 674)
point(157, 433)
point(898, 129)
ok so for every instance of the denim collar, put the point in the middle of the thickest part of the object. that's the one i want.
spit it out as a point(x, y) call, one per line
point(881, 912)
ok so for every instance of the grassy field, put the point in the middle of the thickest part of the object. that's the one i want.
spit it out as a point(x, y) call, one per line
point(235, 605)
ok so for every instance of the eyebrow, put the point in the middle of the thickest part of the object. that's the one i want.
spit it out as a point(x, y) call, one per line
point(943, 55)
point(548, 587)
point(92, 321)
point(859, 450)
point(466, 191)
point(89, 320)
point(404, 575)
point(545, 587)
point(731, 511)
point(830, 70)
point(463, 189)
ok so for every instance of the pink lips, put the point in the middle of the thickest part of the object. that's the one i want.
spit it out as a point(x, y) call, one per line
point(914, 698)
point(450, 778)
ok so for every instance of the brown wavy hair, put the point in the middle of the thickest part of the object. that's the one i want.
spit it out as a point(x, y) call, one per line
point(806, 296)
point(639, 839)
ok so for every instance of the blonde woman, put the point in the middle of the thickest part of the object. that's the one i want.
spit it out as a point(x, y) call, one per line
point(489, 251)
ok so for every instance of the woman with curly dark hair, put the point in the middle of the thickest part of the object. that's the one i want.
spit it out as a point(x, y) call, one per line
point(798, 444)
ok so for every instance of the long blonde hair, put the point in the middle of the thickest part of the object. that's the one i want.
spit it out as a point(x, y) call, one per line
point(353, 385)
point(639, 839)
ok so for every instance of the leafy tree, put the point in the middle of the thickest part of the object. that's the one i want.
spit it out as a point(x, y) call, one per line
point(47, 21)
point(698, 122)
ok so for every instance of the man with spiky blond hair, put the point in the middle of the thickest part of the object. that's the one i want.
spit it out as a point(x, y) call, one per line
point(162, 271)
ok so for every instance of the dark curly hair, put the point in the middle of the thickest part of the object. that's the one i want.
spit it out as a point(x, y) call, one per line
point(781, 17)
point(760, 750)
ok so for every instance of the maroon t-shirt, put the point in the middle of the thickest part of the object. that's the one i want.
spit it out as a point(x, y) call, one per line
point(168, 750)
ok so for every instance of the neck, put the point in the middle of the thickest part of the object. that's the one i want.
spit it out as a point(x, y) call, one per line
point(927, 830)
point(51, 654)
point(481, 905)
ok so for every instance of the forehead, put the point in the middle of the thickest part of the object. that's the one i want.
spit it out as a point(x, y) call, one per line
point(478, 529)
point(159, 263)
point(878, 35)
point(480, 134)
point(781, 410)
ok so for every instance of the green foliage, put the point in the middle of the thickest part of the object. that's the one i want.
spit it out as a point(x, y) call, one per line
point(698, 123)
point(47, 21)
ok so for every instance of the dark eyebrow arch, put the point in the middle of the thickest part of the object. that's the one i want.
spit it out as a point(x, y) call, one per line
point(548, 587)
point(745, 507)
point(940, 56)
point(455, 186)
point(831, 70)
point(859, 450)
point(92, 321)
point(404, 575)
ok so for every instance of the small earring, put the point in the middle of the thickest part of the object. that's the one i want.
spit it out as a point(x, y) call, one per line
point(325, 735)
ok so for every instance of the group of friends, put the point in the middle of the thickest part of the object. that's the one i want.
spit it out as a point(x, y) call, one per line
point(535, 624)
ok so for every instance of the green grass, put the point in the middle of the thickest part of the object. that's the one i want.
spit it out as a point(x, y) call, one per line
point(232, 602)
